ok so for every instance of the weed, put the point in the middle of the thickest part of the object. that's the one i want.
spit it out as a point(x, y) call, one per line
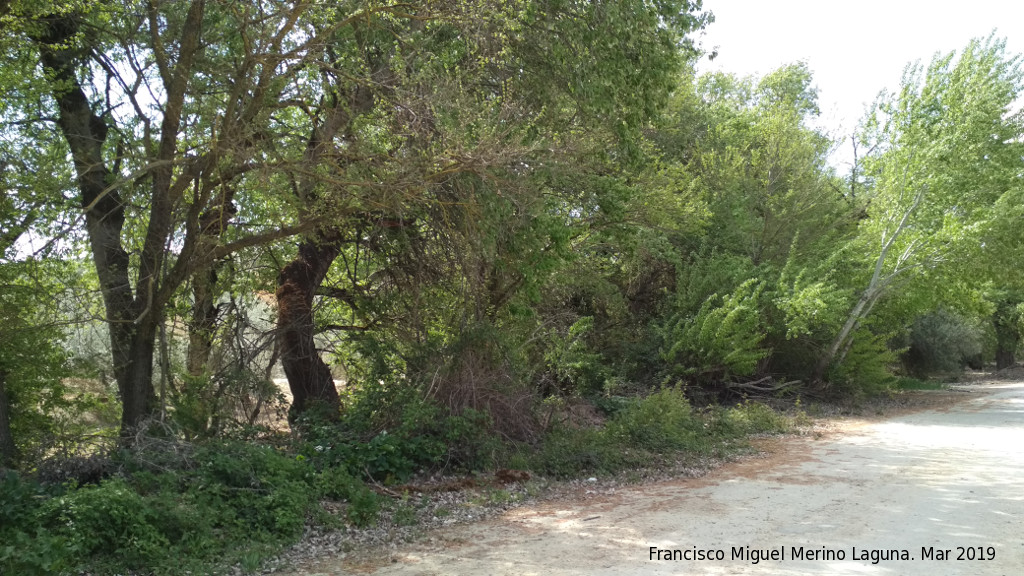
point(404, 512)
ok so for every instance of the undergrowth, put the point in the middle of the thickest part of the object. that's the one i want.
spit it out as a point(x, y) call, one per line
point(653, 432)
point(170, 507)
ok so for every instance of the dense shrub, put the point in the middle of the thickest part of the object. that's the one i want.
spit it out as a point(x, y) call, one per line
point(571, 361)
point(207, 508)
point(390, 432)
point(722, 340)
point(27, 545)
point(661, 422)
point(940, 342)
point(652, 432)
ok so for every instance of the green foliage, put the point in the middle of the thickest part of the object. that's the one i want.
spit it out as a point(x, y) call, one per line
point(722, 339)
point(256, 486)
point(749, 418)
point(1008, 322)
point(868, 369)
point(660, 423)
point(570, 452)
point(27, 544)
point(574, 362)
point(516, 201)
point(337, 484)
point(946, 150)
point(652, 432)
point(809, 305)
point(33, 360)
point(211, 505)
point(390, 432)
point(942, 342)
point(113, 520)
point(907, 383)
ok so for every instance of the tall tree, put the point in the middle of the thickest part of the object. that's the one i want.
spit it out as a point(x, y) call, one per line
point(178, 116)
point(944, 150)
point(169, 112)
point(449, 94)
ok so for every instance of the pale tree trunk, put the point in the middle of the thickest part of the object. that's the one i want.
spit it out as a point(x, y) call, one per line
point(875, 289)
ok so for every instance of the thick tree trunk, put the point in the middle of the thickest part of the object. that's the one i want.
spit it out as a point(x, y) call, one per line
point(1006, 356)
point(8, 449)
point(138, 396)
point(309, 378)
point(85, 132)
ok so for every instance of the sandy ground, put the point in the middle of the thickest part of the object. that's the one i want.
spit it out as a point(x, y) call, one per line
point(941, 479)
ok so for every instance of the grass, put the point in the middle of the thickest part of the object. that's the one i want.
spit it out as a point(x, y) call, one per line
point(906, 383)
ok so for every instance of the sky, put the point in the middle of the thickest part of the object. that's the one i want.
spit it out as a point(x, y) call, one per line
point(855, 49)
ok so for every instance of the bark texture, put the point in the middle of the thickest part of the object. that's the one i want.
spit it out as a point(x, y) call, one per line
point(86, 133)
point(309, 378)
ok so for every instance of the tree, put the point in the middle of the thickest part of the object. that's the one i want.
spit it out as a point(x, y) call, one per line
point(943, 151)
point(179, 116)
point(762, 204)
point(482, 100)
point(170, 116)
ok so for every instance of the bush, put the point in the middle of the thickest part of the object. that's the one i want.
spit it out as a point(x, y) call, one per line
point(867, 369)
point(390, 432)
point(723, 338)
point(337, 484)
point(661, 422)
point(208, 508)
point(753, 418)
point(650, 433)
point(26, 545)
point(572, 362)
point(254, 488)
point(942, 342)
point(570, 452)
point(112, 520)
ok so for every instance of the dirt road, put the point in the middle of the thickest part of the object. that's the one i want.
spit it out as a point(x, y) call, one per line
point(949, 480)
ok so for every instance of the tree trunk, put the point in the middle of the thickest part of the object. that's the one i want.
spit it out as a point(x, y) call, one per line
point(138, 397)
point(203, 327)
point(8, 450)
point(1006, 355)
point(844, 340)
point(1008, 334)
point(131, 344)
point(309, 378)
point(204, 322)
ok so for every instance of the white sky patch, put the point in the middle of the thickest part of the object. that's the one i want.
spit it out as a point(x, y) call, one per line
point(855, 49)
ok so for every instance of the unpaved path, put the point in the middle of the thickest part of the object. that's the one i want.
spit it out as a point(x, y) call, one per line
point(942, 479)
